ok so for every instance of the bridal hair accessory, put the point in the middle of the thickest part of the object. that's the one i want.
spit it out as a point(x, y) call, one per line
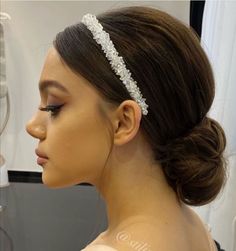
point(117, 63)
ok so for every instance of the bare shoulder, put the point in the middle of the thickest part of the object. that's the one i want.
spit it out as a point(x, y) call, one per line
point(98, 247)
point(186, 233)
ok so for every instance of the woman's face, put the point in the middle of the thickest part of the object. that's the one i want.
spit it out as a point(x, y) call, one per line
point(75, 139)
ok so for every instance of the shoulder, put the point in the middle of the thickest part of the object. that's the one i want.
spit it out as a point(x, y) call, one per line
point(99, 247)
point(188, 233)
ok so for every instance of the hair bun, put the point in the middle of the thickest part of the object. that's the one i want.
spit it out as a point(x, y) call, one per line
point(195, 165)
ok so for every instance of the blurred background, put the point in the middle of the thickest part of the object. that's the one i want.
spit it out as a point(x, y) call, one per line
point(33, 217)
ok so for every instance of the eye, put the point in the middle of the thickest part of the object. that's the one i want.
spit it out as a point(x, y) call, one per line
point(54, 109)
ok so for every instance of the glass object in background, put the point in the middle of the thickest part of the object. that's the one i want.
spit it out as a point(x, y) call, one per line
point(4, 96)
point(6, 243)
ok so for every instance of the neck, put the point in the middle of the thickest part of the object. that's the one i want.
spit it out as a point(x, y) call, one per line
point(134, 192)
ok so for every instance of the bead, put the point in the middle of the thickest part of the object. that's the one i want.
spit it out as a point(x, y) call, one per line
point(117, 63)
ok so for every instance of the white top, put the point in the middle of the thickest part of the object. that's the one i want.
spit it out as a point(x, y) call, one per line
point(98, 247)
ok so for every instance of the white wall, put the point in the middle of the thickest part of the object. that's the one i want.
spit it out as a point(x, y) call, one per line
point(28, 35)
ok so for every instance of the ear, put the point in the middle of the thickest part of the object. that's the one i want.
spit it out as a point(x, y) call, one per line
point(126, 121)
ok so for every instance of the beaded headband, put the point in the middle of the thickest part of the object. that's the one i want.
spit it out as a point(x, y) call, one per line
point(117, 63)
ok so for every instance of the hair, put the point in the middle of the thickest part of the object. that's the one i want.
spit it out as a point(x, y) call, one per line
point(174, 75)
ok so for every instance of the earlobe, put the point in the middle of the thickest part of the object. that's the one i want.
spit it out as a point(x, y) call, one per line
point(128, 122)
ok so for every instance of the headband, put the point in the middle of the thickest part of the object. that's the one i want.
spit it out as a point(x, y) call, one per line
point(117, 63)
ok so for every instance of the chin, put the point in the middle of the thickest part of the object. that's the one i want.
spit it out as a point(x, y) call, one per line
point(52, 183)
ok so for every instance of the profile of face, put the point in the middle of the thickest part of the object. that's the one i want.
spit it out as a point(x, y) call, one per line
point(75, 138)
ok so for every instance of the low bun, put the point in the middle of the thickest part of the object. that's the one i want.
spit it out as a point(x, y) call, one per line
point(194, 164)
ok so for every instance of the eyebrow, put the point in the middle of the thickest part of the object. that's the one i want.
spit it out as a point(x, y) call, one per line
point(46, 84)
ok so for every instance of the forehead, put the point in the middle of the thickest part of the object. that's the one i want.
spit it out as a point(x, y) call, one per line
point(53, 64)
point(56, 70)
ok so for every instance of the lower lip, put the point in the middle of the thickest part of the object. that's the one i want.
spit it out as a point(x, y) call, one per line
point(41, 161)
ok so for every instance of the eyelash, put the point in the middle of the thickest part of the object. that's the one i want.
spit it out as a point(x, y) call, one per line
point(54, 109)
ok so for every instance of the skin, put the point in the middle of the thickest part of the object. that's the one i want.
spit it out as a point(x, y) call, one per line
point(92, 141)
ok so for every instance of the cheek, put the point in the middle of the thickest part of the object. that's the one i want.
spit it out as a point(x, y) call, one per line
point(80, 150)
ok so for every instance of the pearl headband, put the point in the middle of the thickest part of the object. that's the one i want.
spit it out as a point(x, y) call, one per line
point(117, 63)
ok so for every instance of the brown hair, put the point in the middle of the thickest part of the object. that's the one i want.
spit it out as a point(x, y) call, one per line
point(174, 75)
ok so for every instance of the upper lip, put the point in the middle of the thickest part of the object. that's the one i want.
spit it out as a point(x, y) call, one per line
point(40, 154)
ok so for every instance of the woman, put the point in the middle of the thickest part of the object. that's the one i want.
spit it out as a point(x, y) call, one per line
point(136, 129)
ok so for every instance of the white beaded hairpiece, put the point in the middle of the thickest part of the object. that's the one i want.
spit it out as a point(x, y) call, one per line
point(116, 61)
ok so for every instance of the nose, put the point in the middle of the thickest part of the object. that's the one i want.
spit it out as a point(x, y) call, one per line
point(35, 129)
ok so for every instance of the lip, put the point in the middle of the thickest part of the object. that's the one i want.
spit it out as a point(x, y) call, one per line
point(41, 154)
point(41, 161)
